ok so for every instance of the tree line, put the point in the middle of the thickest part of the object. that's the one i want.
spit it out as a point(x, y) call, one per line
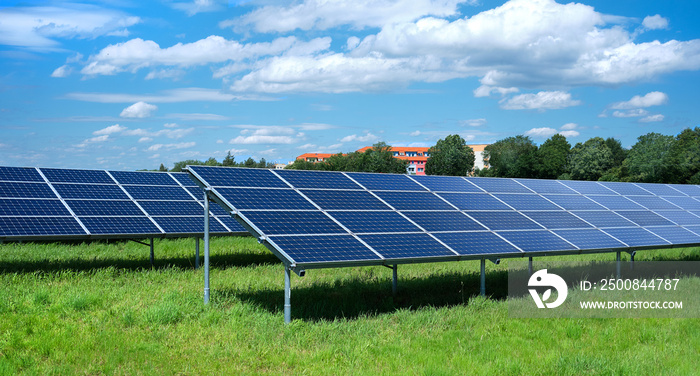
point(228, 161)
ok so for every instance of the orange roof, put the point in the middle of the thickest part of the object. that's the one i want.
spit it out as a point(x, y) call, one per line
point(416, 158)
point(315, 155)
point(479, 147)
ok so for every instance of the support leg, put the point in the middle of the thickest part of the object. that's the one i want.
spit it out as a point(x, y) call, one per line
point(196, 253)
point(483, 278)
point(206, 248)
point(287, 295)
point(618, 264)
point(152, 254)
point(395, 280)
point(529, 265)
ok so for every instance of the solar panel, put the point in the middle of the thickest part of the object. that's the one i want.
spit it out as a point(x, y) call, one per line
point(243, 177)
point(474, 201)
point(499, 185)
point(39, 226)
point(345, 200)
point(414, 201)
point(104, 207)
point(587, 187)
point(88, 191)
point(625, 189)
point(184, 179)
point(324, 248)
point(477, 243)
point(645, 218)
point(590, 239)
point(406, 245)
point(676, 235)
point(604, 219)
point(687, 203)
point(537, 241)
point(316, 179)
point(690, 190)
point(119, 225)
point(139, 192)
point(56, 175)
point(33, 207)
point(636, 237)
point(373, 221)
point(660, 189)
point(26, 174)
point(443, 221)
point(388, 182)
point(174, 207)
point(261, 198)
point(26, 190)
point(185, 225)
point(527, 202)
point(616, 202)
point(577, 202)
point(504, 220)
point(653, 202)
point(557, 220)
point(546, 186)
point(445, 183)
point(289, 222)
point(680, 217)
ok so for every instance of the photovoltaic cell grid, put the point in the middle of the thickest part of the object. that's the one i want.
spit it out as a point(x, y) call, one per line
point(68, 203)
point(321, 219)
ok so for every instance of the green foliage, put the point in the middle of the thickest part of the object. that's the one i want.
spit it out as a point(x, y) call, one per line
point(450, 156)
point(618, 152)
point(684, 157)
point(229, 160)
point(162, 168)
point(648, 159)
point(378, 158)
point(512, 157)
point(553, 157)
point(590, 160)
point(182, 164)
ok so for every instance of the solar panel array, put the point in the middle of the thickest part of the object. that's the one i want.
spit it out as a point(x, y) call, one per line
point(323, 219)
point(64, 203)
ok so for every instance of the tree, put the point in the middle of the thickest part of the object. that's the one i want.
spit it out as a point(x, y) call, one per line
point(162, 168)
point(648, 159)
point(553, 157)
point(618, 152)
point(182, 164)
point(590, 160)
point(512, 157)
point(450, 156)
point(250, 162)
point(301, 164)
point(212, 162)
point(684, 157)
point(229, 160)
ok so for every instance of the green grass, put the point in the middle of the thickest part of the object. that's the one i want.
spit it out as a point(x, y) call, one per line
point(100, 308)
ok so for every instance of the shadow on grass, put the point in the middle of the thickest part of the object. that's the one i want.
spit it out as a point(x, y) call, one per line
point(237, 260)
point(359, 298)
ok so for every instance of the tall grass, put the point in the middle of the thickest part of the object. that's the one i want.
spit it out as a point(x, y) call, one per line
point(100, 308)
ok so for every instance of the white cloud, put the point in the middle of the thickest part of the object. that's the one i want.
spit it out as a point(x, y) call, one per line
point(569, 126)
point(315, 126)
point(116, 128)
point(324, 14)
point(62, 71)
point(570, 133)
point(219, 141)
point(630, 113)
point(268, 135)
point(237, 151)
point(170, 125)
point(197, 6)
point(40, 27)
point(367, 137)
point(544, 100)
point(485, 91)
point(145, 139)
point(473, 122)
point(541, 132)
point(415, 133)
point(92, 140)
point(655, 22)
point(190, 94)
point(181, 145)
point(654, 98)
point(652, 118)
point(199, 117)
point(139, 110)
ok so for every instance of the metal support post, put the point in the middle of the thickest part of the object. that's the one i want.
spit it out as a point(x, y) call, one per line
point(618, 264)
point(196, 253)
point(206, 248)
point(395, 280)
point(529, 265)
point(483, 277)
point(287, 295)
point(152, 254)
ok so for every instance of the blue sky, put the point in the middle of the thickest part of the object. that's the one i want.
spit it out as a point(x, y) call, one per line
point(122, 84)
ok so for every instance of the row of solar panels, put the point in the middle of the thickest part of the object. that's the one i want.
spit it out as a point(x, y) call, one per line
point(65, 203)
point(316, 218)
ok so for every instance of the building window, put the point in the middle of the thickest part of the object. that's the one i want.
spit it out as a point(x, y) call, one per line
point(420, 170)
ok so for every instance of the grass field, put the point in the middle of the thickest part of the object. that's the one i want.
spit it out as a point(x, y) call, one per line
point(99, 308)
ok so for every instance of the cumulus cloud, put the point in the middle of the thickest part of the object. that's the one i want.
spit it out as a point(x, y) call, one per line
point(181, 145)
point(486, 91)
point(567, 130)
point(570, 133)
point(367, 137)
point(62, 71)
point(473, 122)
point(655, 22)
point(139, 110)
point(268, 135)
point(654, 98)
point(324, 14)
point(630, 113)
point(197, 6)
point(116, 128)
point(189, 94)
point(652, 118)
point(40, 27)
point(544, 100)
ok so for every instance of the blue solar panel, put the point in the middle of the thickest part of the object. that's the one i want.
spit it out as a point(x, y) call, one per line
point(345, 200)
point(557, 220)
point(27, 174)
point(187, 225)
point(446, 183)
point(86, 191)
point(260, 198)
point(680, 217)
point(231, 224)
point(635, 236)
point(34, 226)
point(443, 221)
point(690, 190)
point(616, 202)
point(676, 235)
point(687, 203)
point(24, 207)
point(587, 187)
point(174, 207)
point(26, 190)
point(645, 218)
point(120, 225)
point(604, 219)
point(574, 202)
point(660, 189)
point(537, 241)
point(476, 243)
point(56, 175)
point(143, 178)
point(546, 186)
point(625, 189)
point(504, 220)
point(474, 201)
point(527, 202)
point(238, 177)
point(317, 179)
point(653, 202)
point(390, 182)
point(406, 246)
point(374, 221)
point(414, 201)
point(197, 192)
point(499, 185)
point(103, 207)
point(590, 239)
point(184, 179)
point(139, 192)
point(324, 248)
point(289, 222)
